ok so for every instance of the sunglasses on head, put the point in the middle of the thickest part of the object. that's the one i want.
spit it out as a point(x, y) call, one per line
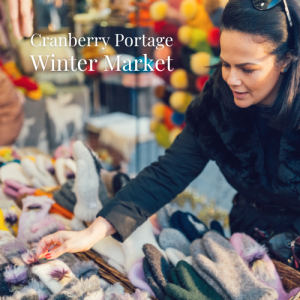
point(268, 4)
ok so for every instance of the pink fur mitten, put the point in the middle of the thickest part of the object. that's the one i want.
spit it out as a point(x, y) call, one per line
point(259, 263)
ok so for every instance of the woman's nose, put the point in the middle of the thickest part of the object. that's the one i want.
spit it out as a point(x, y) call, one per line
point(233, 78)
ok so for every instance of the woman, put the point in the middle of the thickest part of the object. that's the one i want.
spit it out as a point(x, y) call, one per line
point(247, 119)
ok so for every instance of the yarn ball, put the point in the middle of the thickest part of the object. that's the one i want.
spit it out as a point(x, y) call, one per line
point(158, 111)
point(200, 82)
point(213, 37)
point(177, 118)
point(179, 79)
point(185, 34)
point(200, 63)
point(188, 8)
point(174, 133)
point(211, 5)
point(180, 100)
point(163, 53)
point(158, 10)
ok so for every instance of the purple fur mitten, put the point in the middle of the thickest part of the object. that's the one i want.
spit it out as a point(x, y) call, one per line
point(259, 263)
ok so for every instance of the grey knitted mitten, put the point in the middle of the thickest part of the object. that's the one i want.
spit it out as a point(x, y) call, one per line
point(217, 262)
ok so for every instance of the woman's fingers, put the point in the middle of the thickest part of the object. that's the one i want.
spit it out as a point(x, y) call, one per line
point(48, 241)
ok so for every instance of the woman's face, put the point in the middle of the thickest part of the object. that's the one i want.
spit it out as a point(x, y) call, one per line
point(251, 72)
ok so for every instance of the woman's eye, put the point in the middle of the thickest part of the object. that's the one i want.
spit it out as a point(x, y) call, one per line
point(247, 71)
point(225, 65)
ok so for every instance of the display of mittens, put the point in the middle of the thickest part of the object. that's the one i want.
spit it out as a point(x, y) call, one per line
point(156, 270)
point(188, 224)
point(186, 284)
point(15, 189)
point(217, 262)
point(55, 274)
point(174, 256)
point(259, 263)
point(14, 171)
point(86, 184)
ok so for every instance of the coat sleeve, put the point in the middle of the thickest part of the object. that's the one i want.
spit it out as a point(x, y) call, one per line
point(156, 185)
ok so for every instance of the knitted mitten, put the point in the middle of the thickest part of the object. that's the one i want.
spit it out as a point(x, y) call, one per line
point(133, 245)
point(63, 166)
point(86, 184)
point(43, 163)
point(55, 274)
point(164, 215)
point(186, 284)
point(188, 224)
point(259, 263)
point(217, 262)
point(172, 238)
point(137, 277)
point(155, 268)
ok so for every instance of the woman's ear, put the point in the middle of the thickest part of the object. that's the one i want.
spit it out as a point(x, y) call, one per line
point(286, 62)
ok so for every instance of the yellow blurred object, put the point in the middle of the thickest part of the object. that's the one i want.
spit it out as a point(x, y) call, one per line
point(2, 221)
point(158, 111)
point(188, 9)
point(180, 100)
point(34, 95)
point(200, 63)
point(162, 136)
point(185, 34)
point(201, 19)
point(31, 158)
point(174, 133)
point(97, 51)
point(48, 88)
point(179, 79)
point(154, 125)
point(158, 10)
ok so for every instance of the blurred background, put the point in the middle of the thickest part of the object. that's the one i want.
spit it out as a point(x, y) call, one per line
point(127, 118)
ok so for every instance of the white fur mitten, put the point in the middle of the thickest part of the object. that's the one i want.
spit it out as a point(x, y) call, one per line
point(86, 184)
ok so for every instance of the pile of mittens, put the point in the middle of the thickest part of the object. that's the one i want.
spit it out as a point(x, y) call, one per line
point(23, 276)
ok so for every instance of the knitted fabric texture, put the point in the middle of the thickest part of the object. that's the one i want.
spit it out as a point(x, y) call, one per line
point(186, 284)
point(259, 263)
point(217, 262)
point(173, 238)
point(188, 224)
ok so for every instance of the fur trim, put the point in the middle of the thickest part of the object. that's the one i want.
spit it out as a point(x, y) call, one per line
point(41, 290)
point(16, 275)
point(29, 294)
point(41, 201)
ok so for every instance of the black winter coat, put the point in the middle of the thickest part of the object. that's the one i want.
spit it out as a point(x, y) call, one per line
point(231, 138)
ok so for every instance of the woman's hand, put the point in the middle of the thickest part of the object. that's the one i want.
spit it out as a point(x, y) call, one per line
point(54, 245)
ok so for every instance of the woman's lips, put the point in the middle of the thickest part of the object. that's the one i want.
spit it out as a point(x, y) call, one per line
point(239, 95)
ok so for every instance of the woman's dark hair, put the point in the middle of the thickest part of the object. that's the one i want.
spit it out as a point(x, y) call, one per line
point(269, 26)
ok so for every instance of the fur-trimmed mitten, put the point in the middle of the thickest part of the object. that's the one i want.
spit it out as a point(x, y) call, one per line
point(133, 245)
point(137, 277)
point(79, 289)
point(43, 164)
point(259, 263)
point(188, 224)
point(173, 238)
point(41, 290)
point(35, 216)
point(156, 270)
point(217, 262)
point(86, 183)
point(28, 294)
point(63, 166)
point(55, 274)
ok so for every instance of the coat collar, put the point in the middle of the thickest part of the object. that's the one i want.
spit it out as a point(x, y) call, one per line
point(230, 137)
